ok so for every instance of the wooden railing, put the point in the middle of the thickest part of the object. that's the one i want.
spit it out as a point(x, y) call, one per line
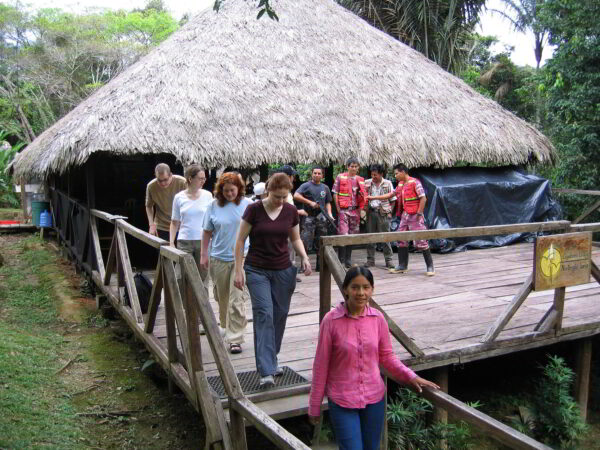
point(551, 322)
point(186, 304)
point(589, 210)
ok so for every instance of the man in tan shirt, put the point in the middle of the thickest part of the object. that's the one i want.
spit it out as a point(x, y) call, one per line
point(159, 199)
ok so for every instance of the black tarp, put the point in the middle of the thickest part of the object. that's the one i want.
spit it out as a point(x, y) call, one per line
point(469, 197)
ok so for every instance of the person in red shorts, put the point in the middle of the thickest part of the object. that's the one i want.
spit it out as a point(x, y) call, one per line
point(410, 206)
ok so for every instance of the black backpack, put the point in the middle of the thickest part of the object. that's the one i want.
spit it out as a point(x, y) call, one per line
point(143, 286)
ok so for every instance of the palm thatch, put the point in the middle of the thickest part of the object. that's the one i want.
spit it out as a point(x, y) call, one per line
point(319, 85)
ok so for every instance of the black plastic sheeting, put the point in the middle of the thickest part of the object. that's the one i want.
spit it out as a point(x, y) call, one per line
point(470, 197)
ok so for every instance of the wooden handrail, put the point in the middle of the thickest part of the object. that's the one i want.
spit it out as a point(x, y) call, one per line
point(575, 191)
point(497, 430)
point(374, 238)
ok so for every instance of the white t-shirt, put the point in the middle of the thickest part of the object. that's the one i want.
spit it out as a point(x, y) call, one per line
point(191, 214)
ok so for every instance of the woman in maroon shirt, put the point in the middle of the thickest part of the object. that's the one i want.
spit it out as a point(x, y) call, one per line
point(269, 273)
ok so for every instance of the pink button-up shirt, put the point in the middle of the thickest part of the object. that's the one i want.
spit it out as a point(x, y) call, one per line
point(349, 352)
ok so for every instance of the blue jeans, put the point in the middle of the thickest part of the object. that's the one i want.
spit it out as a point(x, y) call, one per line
point(357, 429)
point(270, 293)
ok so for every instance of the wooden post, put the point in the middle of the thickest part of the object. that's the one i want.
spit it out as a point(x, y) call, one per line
point(582, 370)
point(324, 284)
point(440, 415)
point(170, 325)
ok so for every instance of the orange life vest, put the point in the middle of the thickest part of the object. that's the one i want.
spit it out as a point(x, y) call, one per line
point(345, 193)
point(410, 198)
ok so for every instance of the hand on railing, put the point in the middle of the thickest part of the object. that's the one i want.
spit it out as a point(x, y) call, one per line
point(419, 383)
point(152, 230)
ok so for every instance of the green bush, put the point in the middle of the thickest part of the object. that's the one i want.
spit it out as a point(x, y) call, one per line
point(557, 416)
point(408, 428)
point(8, 197)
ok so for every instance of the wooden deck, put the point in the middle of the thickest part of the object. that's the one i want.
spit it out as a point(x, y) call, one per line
point(444, 315)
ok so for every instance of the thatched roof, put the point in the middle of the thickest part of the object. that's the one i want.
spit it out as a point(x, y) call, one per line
point(319, 85)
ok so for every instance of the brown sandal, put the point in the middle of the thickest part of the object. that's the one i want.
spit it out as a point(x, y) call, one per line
point(235, 348)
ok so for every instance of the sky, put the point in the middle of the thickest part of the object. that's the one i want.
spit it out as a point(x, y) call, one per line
point(491, 24)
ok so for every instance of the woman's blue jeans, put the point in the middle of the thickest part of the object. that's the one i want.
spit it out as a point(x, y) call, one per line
point(270, 292)
point(357, 429)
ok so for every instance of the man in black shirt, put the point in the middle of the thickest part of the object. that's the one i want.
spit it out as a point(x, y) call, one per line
point(314, 195)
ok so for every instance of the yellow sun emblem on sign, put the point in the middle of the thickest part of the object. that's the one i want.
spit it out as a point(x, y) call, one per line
point(550, 263)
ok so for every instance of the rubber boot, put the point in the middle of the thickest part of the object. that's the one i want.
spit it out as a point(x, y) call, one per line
point(402, 261)
point(429, 263)
point(348, 258)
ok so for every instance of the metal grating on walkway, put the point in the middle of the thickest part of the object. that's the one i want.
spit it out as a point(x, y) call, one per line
point(250, 381)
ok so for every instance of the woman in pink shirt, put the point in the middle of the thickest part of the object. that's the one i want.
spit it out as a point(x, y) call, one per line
point(354, 341)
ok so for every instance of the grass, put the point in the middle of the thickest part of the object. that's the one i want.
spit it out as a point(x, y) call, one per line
point(34, 414)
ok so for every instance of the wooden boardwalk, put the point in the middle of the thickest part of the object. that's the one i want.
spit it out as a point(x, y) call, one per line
point(449, 312)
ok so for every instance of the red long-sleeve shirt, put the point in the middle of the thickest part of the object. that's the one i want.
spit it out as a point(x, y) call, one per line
point(349, 353)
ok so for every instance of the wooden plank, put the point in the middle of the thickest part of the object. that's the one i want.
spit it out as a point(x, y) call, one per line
point(128, 275)
point(335, 267)
point(96, 245)
point(324, 283)
point(111, 260)
point(143, 236)
point(491, 427)
point(211, 409)
point(559, 306)
point(226, 370)
point(102, 215)
point(373, 238)
point(282, 438)
point(586, 227)
point(586, 212)
point(397, 332)
point(171, 253)
point(510, 311)
point(595, 272)
point(575, 191)
point(440, 415)
point(170, 280)
point(169, 317)
point(157, 287)
point(547, 322)
point(583, 373)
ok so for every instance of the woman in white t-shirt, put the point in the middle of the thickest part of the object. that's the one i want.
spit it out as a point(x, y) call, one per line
point(187, 216)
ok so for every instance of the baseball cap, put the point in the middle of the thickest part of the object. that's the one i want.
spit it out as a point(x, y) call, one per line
point(288, 170)
point(259, 188)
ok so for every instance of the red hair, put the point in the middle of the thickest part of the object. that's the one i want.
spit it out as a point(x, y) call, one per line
point(229, 178)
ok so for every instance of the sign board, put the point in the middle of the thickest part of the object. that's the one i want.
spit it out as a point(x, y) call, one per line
point(562, 260)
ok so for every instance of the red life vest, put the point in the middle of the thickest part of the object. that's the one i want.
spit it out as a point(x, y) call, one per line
point(345, 193)
point(410, 198)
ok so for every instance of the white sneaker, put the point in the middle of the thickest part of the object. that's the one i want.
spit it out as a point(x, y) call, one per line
point(267, 382)
point(278, 371)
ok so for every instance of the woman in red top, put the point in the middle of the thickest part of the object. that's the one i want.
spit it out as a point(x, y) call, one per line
point(269, 273)
point(354, 341)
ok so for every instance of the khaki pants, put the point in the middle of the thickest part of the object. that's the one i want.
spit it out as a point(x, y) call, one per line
point(232, 301)
point(378, 223)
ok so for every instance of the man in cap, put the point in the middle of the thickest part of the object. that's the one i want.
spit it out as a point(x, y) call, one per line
point(159, 199)
point(316, 197)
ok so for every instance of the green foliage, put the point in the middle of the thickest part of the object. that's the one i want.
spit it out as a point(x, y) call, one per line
point(440, 29)
point(408, 430)
point(497, 77)
point(572, 89)
point(51, 60)
point(8, 197)
point(558, 419)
